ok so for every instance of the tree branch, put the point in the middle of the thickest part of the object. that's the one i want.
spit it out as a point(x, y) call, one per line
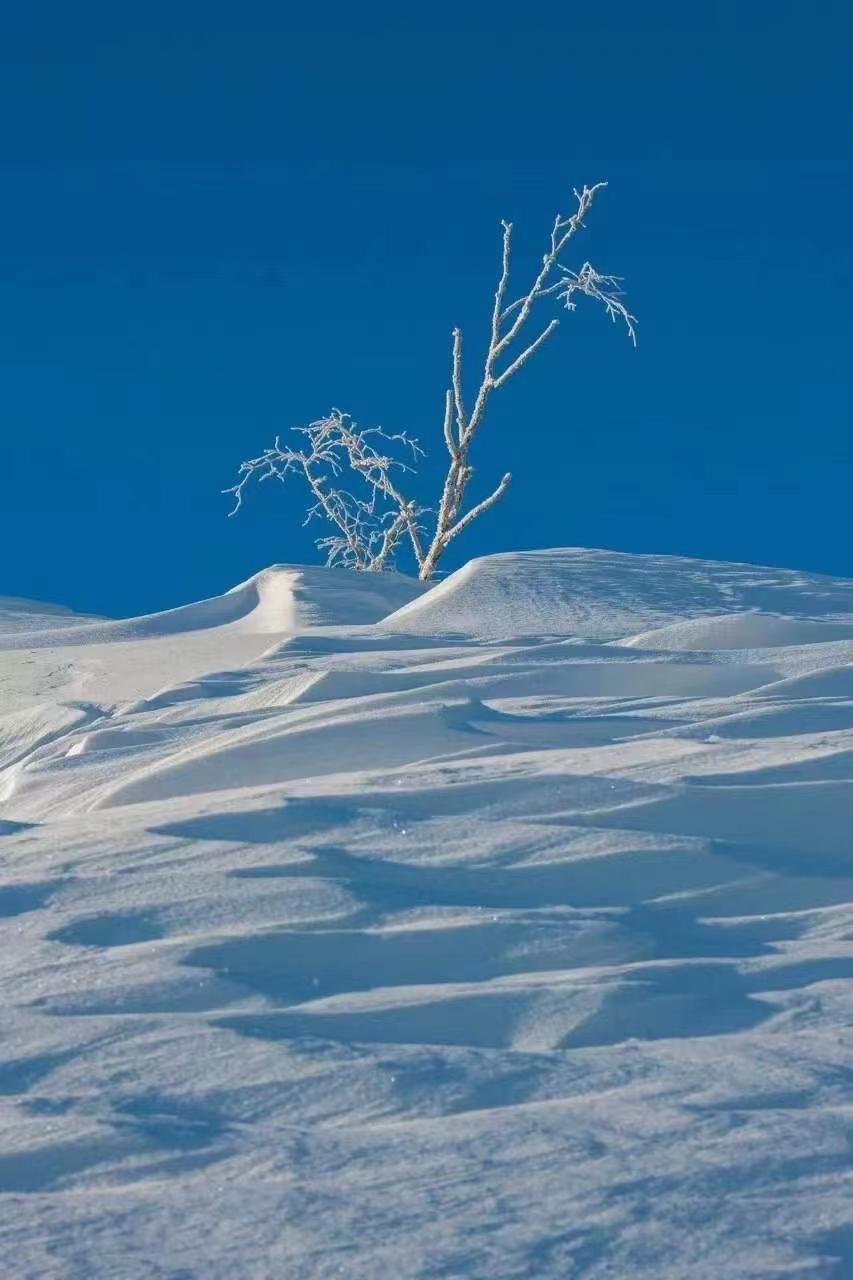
point(471, 516)
point(525, 355)
point(457, 384)
point(368, 527)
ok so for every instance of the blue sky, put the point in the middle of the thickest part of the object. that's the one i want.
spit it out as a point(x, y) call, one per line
point(220, 220)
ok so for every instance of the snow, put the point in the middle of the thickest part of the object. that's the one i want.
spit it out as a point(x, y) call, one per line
point(23, 616)
point(606, 594)
point(503, 929)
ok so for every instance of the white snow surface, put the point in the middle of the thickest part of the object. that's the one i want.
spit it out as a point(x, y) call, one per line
point(23, 616)
point(502, 930)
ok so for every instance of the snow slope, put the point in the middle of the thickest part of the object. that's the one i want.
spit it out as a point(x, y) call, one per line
point(22, 616)
point(501, 930)
point(57, 668)
point(606, 594)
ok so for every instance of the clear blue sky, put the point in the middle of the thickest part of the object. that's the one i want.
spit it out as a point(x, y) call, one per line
point(219, 220)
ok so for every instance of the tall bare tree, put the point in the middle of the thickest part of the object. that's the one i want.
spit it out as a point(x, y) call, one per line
point(370, 527)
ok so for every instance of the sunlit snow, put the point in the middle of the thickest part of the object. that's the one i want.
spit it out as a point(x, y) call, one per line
point(500, 930)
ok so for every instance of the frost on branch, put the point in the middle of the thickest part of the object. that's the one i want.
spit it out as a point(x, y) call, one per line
point(369, 517)
point(370, 527)
point(509, 348)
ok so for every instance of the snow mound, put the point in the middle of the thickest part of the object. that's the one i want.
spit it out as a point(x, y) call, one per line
point(741, 631)
point(278, 600)
point(610, 594)
point(18, 615)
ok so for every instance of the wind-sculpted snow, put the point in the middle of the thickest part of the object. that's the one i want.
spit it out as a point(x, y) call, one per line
point(605, 594)
point(29, 616)
point(280, 599)
point(509, 935)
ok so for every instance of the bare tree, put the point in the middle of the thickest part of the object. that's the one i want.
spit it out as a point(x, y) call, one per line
point(370, 522)
point(508, 350)
point(369, 529)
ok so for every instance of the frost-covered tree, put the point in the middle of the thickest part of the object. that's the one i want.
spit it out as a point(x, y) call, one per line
point(372, 516)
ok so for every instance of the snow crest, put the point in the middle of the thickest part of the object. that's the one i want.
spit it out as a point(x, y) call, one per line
point(605, 594)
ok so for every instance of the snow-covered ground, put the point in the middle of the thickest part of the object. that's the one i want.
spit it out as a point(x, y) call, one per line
point(504, 930)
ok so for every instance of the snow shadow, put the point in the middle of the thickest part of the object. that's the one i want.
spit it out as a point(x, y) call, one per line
point(9, 828)
point(18, 1075)
point(17, 899)
point(261, 826)
point(292, 966)
point(623, 878)
point(161, 1135)
point(121, 929)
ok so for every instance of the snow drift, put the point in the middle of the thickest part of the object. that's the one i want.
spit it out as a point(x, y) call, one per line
point(605, 594)
point(27, 616)
point(501, 929)
point(280, 599)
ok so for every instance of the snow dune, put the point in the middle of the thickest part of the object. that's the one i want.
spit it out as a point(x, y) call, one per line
point(277, 600)
point(607, 594)
point(499, 930)
point(29, 616)
point(748, 630)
